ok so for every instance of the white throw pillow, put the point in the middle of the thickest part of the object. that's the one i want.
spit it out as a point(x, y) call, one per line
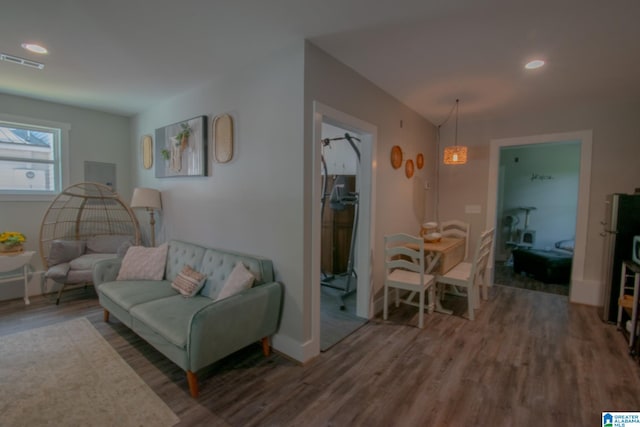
point(142, 263)
point(239, 280)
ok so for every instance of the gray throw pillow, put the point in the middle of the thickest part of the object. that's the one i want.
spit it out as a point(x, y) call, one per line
point(106, 244)
point(65, 250)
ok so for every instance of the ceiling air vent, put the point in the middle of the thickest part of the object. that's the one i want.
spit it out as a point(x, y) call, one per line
point(21, 61)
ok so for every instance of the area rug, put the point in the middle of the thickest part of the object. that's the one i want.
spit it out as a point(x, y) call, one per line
point(66, 374)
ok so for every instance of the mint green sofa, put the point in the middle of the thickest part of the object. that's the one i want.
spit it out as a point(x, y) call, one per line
point(194, 332)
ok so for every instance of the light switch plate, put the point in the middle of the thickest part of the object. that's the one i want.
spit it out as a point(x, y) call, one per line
point(472, 209)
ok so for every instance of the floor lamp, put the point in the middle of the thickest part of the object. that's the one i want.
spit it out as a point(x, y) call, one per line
point(149, 199)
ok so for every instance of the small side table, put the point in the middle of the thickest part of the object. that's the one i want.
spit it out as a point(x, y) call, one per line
point(14, 262)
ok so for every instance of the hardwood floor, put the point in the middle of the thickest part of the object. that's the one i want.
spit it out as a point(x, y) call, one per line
point(529, 359)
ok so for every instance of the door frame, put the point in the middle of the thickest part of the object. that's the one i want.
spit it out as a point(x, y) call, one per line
point(366, 216)
point(578, 292)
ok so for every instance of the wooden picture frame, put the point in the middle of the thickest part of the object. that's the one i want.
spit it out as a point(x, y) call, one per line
point(181, 148)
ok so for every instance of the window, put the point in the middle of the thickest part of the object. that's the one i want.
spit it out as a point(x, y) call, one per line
point(30, 157)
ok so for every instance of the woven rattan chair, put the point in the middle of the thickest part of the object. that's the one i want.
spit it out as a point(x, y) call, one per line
point(83, 213)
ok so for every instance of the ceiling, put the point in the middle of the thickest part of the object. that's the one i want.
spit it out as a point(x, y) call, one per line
point(124, 56)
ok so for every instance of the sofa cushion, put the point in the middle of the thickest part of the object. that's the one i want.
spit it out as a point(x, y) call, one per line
point(170, 317)
point(142, 263)
point(239, 280)
point(181, 254)
point(86, 262)
point(64, 251)
point(106, 244)
point(130, 293)
point(188, 282)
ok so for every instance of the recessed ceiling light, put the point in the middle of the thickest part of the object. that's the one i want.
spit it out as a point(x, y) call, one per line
point(35, 48)
point(532, 65)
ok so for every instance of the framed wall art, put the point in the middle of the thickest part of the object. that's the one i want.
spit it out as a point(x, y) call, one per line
point(181, 148)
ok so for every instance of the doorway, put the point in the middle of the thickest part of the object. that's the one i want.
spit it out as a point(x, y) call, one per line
point(536, 212)
point(579, 290)
point(363, 249)
point(340, 158)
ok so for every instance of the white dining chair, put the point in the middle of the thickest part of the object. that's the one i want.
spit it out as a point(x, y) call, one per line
point(470, 275)
point(456, 228)
point(404, 269)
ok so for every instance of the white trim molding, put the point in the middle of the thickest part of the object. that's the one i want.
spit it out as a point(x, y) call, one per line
point(581, 290)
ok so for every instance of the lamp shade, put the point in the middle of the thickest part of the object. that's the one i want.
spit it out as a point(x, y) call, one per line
point(456, 155)
point(146, 198)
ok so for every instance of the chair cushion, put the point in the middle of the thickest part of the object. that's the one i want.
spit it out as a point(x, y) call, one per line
point(106, 244)
point(87, 261)
point(58, 271)
point(170, 317)
point(64, 251)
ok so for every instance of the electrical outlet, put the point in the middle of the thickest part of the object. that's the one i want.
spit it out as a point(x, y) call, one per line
point(427, 185)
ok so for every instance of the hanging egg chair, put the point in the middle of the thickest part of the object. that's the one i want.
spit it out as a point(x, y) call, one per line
point(85, 223)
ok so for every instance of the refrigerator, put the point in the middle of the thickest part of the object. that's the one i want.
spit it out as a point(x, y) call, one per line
point(621, 223)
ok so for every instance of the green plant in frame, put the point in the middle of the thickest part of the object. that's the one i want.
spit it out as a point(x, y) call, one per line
point(182, 138)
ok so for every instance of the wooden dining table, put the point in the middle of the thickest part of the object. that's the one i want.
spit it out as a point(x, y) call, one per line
point(440, 257)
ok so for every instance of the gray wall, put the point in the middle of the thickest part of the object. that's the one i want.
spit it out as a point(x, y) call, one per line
point(94, 136)
point(616, 152)
point(400, 203)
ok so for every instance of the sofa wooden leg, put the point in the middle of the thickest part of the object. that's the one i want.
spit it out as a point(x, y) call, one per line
point(192, 379)
point(266, 349)
point(105, 315)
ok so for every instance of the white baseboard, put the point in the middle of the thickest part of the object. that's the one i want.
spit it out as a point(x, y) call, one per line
point(300, 352)
point(588, 292)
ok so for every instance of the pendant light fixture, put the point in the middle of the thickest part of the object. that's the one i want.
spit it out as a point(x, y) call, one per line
point(457, 154)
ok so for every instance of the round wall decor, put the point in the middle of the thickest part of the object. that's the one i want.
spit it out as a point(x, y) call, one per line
point(408, 168)
point(223, 137)
point(147, 151)
point(396, 156)
point(420, 161)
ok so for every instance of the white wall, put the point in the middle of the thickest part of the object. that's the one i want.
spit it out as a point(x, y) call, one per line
point(253, 203)
point(339, 157)
point(544, 176)
point(94, 136)
point(616, 153)
point(400, 202)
